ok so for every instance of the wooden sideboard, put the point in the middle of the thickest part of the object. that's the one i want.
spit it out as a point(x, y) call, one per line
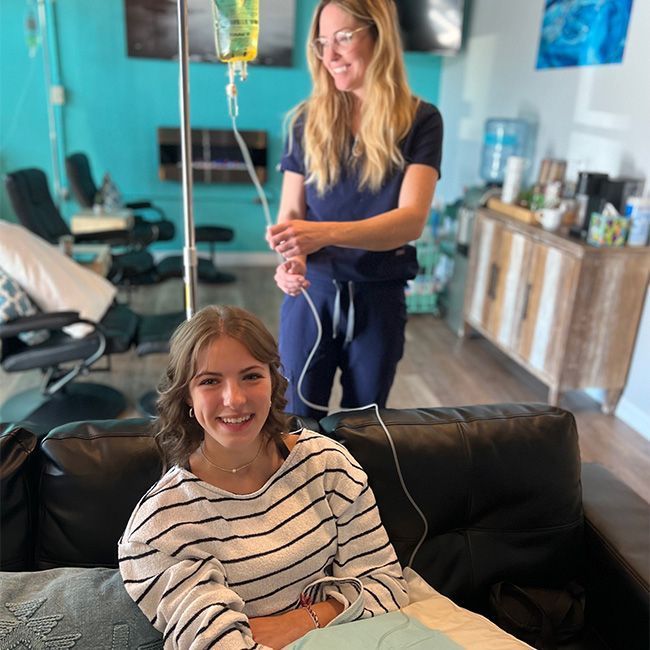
point(565, 311)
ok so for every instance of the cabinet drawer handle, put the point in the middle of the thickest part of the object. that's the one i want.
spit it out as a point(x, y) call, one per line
point(529, 286)
point(494, 274)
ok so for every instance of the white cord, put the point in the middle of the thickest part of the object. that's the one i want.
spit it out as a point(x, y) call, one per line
point(251, 171)
point(233, 109)
point(260, 191)
point(403, 625)
point(400, 476)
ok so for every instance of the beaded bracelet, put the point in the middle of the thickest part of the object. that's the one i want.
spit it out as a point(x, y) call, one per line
point(305, 602)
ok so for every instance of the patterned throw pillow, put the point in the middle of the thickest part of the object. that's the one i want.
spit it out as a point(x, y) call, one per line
point(82, 609)
point(14, 303)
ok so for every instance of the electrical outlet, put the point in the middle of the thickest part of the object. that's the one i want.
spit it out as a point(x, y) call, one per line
point(57, 95)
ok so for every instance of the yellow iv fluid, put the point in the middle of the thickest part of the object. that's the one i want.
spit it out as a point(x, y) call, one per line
point(236, 29)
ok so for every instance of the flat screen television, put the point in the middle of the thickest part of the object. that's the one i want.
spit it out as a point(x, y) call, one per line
point(152, 32)
point(431, 25)
point(151, 28)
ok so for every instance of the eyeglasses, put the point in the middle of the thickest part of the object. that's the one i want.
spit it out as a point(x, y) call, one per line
point(341, 40)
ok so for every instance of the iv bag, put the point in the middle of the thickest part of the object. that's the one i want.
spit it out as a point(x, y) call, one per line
point(236, 29)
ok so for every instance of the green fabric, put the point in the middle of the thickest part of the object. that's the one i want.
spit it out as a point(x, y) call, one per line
point(394, 631)
point(83, 609)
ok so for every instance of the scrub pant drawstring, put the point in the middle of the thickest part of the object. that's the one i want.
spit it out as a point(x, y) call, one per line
point(336, 316)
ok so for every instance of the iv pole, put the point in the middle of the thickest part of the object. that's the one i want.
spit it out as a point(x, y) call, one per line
point(189, 250)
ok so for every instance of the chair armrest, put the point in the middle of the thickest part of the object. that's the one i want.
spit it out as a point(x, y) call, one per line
point(617, 561)
point(135, 205)
point(49, 321)
point(144, 205)
point(115, 237)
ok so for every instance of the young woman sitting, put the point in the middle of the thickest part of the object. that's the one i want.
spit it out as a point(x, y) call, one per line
point(253, 536)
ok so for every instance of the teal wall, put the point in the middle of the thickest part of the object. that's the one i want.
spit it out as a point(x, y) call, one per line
point(115, 105)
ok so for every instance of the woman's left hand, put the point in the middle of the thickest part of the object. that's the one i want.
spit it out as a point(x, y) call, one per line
point(297, 237)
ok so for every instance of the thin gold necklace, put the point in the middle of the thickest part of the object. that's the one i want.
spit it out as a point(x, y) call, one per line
point(226, 469)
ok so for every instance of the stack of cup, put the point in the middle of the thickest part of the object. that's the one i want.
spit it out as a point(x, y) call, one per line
point(512, 180)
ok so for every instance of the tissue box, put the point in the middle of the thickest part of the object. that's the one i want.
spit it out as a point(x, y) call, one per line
point(607, 230)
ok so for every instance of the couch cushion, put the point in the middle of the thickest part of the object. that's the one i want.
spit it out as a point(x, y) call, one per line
point(84, 609)
point(17, 532)
point(93, 474)
point(499, 486)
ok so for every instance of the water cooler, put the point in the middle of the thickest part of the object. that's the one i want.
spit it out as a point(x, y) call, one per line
point(503, 137)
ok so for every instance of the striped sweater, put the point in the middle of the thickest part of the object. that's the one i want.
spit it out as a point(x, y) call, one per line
point(199, 561)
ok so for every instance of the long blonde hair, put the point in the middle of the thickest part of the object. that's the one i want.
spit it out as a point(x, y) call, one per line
point(385, 119)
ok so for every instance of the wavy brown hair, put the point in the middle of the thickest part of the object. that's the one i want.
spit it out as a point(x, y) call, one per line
point(178, 435)
point(386, 117)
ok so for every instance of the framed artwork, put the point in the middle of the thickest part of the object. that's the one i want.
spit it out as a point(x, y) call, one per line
point(583, 32)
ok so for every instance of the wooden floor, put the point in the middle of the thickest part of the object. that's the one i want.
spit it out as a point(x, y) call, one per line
point(438, 369)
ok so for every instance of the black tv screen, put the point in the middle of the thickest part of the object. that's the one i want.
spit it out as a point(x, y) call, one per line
point(431, 25)
point(152, 30)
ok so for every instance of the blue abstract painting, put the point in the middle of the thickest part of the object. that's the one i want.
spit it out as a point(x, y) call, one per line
point(583, 32)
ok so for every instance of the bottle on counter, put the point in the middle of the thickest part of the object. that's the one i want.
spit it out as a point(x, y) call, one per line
point(512, 180)
point(637, 209)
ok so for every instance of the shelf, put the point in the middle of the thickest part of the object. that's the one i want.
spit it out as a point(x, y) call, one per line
point(216, 157)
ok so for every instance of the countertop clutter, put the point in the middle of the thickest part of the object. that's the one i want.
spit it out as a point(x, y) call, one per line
point(601, 210)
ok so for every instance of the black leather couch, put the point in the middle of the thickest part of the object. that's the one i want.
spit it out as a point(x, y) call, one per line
point(502, 488)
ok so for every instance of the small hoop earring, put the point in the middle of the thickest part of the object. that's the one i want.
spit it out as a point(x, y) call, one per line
point(191, 412)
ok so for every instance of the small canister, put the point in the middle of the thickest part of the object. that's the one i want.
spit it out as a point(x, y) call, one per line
point(512, 179)
point(637, 209)
point(66, 245)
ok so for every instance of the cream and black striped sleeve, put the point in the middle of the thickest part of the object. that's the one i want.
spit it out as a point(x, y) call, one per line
point(366, 575)
point(186, 598)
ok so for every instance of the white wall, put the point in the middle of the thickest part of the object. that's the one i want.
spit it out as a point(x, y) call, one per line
point(595, 117)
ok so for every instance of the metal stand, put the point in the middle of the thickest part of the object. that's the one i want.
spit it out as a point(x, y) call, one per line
point(189, 251)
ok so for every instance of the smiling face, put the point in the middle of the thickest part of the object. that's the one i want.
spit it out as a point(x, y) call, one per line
point(347, 66)
point(230, 394)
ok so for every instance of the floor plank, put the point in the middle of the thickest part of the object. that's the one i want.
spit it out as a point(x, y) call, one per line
point(438, 369)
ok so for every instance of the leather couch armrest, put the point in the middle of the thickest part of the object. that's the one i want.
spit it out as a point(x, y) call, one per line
point(617, 561)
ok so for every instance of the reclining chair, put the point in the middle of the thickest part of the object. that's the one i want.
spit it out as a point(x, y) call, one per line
point(84, 189)
point(62, 358)
point(32, 202)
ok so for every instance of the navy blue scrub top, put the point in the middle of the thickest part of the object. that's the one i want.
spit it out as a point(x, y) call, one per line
point(346, 202)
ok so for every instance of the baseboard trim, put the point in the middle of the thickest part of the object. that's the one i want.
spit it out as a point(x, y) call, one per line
point(634, 417)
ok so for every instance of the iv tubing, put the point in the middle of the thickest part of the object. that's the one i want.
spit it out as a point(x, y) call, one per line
point(231, 91)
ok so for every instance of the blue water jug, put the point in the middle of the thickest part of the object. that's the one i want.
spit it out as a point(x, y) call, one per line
point(503, 137)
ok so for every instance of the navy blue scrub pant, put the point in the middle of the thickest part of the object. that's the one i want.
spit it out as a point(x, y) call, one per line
point(374, 329)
